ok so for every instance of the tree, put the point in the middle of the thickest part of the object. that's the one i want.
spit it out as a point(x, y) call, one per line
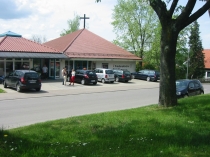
point(134, 21)
point(171, 28)
point(73, 25)
point(196, 63)
point(38, 39)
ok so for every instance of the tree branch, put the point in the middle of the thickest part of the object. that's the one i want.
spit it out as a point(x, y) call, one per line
point(173, 7)
point(197, 14)
point(187, 11)
point(160, 8)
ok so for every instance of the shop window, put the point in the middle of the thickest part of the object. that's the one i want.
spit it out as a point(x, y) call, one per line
point(9, 67)
point(105, 65)
point(1, 68)
point(80, 65)
point(208, 74)
point(37, 65)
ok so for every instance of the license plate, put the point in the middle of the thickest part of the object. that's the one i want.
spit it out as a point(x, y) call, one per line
point(34, 81)
point(92, 80)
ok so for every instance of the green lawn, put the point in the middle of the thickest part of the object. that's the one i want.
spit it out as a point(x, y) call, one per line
point(2, 91)
point(181, 131)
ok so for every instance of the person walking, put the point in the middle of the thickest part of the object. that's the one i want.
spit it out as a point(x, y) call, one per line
point(64, 76)
point(72, 77)
point(44, 71)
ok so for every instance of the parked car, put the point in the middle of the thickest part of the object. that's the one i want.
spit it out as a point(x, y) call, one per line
point(186, 88)
point(122, 75)
point(86, 77)
point(23, 79)
point(149, 75)
point(105, 75)
point(1, 79)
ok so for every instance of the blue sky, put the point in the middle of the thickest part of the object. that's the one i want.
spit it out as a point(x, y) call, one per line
point(47, 18)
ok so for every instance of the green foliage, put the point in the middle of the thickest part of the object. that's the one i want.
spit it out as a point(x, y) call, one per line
point(134, 21)
point(138, 67)
point(73, 25)
point(149, 131)
point(196, 64)
point(149, 66)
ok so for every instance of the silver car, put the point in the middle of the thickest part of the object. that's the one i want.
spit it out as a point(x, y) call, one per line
point(105, 75)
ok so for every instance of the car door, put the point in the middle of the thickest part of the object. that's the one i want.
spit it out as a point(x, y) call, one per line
point(78, 76)
point(97, 73)
point(16, 78)
point(8, 79)
point(197, 88)
point(139, 74)
point(191, 89)
point(145, 74)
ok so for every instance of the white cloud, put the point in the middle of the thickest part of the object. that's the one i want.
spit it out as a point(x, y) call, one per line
point(49, 17)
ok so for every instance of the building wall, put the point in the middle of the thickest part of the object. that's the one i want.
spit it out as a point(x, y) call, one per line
point(125, 65)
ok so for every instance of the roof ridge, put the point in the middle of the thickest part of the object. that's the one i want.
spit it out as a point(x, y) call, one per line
point(74, 40)
point(3, 39)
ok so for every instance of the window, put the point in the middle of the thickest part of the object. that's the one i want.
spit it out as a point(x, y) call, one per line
point(191, 85)
point(109, 72)
point(16, 73)
point(105, 65)
point(208, 74)
point(101, 71)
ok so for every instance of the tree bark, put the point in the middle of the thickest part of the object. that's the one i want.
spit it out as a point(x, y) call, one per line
point(167, 92)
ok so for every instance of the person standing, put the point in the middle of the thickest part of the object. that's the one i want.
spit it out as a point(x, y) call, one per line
point(44, 71)
point(64, 74)
point(72, 77)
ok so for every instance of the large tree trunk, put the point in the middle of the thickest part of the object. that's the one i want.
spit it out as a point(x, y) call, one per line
point(167, 90)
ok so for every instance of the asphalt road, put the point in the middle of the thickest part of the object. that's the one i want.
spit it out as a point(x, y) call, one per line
point(56, 101)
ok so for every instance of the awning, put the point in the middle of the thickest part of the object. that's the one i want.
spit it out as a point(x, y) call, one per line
point(32, 55)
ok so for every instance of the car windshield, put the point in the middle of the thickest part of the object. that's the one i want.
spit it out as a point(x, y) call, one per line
point(109, 72)
point(31, 75)
point(127, 72)
point(91, 72)
point(181, 84)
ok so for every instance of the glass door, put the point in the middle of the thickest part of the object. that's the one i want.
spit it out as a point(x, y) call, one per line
point(54, 68)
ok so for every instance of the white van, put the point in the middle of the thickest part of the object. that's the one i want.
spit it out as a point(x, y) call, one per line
point(105, 75)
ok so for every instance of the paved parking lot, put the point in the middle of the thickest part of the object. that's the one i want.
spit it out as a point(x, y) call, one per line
point(55, 87)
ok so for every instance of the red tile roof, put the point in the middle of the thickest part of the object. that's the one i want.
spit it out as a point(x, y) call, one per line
point(85, 44)
point(207, 58)
point(19, 44)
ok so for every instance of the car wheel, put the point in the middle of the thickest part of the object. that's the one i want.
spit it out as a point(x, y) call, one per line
point(148, 79)
point(133, 76)
point(126, 81)
point(83, 82)
point(95, 83)
point(5, 85)
point(38, 89)
point(201, 92)
point(103, 81)
point(117, 79)
point(112, 81)
point(18, 88)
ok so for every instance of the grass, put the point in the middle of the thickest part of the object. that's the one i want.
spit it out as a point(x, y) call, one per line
point(2, 91)
point(152, 131)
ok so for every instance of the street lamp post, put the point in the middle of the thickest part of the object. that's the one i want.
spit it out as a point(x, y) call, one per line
point(187, 64)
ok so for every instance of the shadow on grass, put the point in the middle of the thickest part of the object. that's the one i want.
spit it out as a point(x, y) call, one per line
point(149, 131)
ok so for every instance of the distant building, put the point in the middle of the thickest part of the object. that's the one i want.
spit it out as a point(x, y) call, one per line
point(207, 62)
point(78, 50)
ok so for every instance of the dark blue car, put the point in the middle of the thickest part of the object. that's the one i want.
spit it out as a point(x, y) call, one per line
point(1, 79)
point(146, 74)
point(186, 88)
